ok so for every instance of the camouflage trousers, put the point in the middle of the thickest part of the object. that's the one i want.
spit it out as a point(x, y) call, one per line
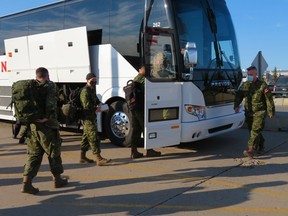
point(255, 126)
point(42, 140)
point(137, 127)
point(89, 137)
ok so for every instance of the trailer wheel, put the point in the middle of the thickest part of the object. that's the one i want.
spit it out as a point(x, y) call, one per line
point(118, 123)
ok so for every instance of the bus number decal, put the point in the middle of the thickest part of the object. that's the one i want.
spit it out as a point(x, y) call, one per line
point(156, 24)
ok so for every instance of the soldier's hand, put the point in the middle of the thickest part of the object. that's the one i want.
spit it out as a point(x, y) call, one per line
point(98, 109)
point(41, 120)
point(236, 109)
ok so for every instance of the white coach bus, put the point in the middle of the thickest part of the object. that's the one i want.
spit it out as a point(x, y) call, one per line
point(189, 49)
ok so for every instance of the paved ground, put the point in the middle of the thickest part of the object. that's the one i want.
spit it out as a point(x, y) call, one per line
point(206, 178)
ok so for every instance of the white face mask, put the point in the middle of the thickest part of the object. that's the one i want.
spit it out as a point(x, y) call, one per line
point(250, 78)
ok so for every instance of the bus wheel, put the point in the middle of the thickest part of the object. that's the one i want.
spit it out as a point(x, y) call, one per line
point(118, 123)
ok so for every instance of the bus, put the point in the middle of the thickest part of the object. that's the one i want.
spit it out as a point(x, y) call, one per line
point(188, 47)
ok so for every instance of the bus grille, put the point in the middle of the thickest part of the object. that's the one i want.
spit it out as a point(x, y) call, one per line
point(217, 129)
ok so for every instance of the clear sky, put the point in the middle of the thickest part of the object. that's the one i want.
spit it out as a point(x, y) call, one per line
point(261, 25)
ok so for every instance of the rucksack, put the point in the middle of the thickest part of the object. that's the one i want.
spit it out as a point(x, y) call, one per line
point(133, 95)
point(73, 109)
point(23, 100)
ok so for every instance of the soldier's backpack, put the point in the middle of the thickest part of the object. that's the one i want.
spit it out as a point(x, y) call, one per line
point(23, 100)
point(73, 109)
point(133, 95)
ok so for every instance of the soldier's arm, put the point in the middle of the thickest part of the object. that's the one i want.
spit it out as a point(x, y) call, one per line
point(269, 101)
point(238, 99)
point(84, 98)
point(51, 101)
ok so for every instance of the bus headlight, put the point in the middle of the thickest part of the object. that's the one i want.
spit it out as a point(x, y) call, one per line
point(198, 111)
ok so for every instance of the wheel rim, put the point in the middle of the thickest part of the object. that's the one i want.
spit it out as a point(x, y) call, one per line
point(120, 124)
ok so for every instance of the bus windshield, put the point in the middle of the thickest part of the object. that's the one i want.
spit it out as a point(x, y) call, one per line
point(208, 24)
point(194, 23)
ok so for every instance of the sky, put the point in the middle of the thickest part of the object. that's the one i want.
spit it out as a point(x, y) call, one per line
point(260, 25)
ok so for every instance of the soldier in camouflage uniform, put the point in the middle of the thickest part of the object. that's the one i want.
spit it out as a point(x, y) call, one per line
point(45, 136)
point(90, 104)
point(258, 100)
point(138, 121)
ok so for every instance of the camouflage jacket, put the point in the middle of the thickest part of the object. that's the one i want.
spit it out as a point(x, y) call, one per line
point(46, 98)
point(140, 79)
point(89, 102)
point(258, 98)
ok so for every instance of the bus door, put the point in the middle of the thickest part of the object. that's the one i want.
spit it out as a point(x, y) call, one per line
point(163, 94)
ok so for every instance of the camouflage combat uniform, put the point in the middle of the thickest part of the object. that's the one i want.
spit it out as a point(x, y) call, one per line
point(138, 116)
point(89, 102)
point(45, 137)
point(258, 100)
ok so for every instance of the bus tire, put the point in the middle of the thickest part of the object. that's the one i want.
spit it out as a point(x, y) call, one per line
point(118, 124)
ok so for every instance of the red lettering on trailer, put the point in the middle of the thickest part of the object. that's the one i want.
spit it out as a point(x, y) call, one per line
point(4, 66)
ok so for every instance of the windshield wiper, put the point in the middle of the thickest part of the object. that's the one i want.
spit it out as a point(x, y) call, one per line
point(218, 52)
point(213, 26)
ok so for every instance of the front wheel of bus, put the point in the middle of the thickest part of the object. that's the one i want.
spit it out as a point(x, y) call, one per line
point(118, 123)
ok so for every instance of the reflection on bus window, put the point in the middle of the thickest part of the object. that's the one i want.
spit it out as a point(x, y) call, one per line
point(161, 66)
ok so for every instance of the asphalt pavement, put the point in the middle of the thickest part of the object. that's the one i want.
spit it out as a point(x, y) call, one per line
point(208, 177)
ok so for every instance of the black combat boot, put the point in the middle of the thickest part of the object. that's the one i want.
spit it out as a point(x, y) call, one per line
point(27, 186)
point(135, 154)
point(84, 159)
point(260, 150)
point(152, 153)
point(16, 130)
point(59, 182)
point(101, 161)
point(22, 140)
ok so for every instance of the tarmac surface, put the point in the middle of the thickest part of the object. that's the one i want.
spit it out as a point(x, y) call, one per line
point(208, 177)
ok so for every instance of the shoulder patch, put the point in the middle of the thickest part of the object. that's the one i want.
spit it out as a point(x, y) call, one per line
point(266, 90)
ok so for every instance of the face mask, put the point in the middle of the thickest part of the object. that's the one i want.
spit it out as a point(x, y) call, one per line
point(93, 83)
point(250, 78)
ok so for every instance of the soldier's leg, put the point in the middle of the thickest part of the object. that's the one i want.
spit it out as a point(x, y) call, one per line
point(35, 155)
point(260, 148)
point(94, 142)
point(249, 122)
point(17, 128)
point(90, 136)
point(250, 151)
point(51, 142)
point(31, 168)
point(137, 128)
point(24, 133)
point(54, 157)
point(84, 140)
point(85, 145)
point(140, 118)
point(255, 134)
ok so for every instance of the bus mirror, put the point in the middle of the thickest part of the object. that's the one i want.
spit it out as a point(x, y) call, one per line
point(190, 55)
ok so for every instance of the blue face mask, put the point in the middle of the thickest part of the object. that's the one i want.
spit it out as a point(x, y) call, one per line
point(250, 78)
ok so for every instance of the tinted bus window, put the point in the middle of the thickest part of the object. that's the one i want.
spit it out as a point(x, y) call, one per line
point(13, 27)
point(125, 24)
point(46, 20)
point(94, 14)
